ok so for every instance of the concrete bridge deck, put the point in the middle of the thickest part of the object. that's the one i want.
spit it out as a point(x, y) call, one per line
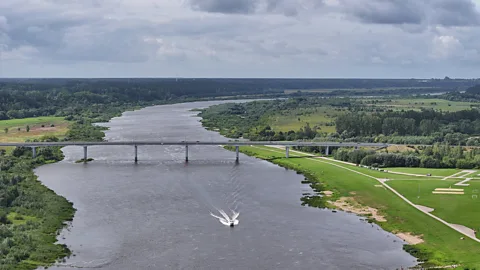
point(232, 143)
point(186, 144)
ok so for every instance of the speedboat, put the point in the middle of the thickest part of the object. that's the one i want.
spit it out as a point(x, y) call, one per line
point(226, 220)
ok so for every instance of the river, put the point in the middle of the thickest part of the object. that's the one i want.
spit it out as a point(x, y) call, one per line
point(156, 214)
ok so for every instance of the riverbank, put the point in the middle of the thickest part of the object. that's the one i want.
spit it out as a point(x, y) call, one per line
point(433, 243)
point(31, 215)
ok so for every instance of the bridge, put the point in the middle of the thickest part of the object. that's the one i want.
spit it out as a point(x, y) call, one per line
point(237, 144)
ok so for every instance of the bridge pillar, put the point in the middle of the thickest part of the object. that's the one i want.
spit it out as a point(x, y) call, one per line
point(85, 154)
point(186, 153)
point(237, 152)
point(287, 151)
point(136, 156)
point(34, 152)
point(327, 151)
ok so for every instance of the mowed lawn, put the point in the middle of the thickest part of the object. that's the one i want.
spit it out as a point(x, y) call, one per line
point(425, 171)
point(443, 243)
point(17, 128)
point(456, 209)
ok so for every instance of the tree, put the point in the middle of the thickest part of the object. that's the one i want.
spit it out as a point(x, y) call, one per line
point(28, 128)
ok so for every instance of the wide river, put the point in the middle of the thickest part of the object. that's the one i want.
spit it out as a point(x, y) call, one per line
point(156, 214)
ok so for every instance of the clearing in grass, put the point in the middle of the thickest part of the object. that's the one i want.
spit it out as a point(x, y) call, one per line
point(322, 117)
point(20, 130)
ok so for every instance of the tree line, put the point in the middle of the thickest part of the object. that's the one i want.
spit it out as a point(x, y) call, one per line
point(434, 126)
point(437, 156)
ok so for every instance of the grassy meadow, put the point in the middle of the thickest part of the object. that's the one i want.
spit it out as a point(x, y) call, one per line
point(418, 103)
point(324, 116)
point(329, 90)
point(456, 209)
point(39, 126)
point(15, 130)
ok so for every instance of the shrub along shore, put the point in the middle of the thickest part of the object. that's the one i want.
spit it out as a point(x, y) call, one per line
point(32, 215)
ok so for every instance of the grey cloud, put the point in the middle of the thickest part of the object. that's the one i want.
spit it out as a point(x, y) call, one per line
point(286, 7)
point(386, 11)
point(82, 36)
point(225, 6)
point(455, 13)
point(414, 12)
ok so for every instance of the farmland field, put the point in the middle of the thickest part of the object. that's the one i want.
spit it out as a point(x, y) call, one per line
point(39, 126)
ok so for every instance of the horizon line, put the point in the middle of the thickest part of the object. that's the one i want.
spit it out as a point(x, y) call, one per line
point(243, 78)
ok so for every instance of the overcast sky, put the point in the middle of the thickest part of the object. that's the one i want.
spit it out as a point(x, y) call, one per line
point(240, 38)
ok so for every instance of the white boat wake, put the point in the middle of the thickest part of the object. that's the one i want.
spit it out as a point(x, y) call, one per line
point(226, 220)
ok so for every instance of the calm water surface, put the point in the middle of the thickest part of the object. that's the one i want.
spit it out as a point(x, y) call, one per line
point(156, 214)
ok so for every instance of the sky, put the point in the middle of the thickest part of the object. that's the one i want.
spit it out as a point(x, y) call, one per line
point(240, 38)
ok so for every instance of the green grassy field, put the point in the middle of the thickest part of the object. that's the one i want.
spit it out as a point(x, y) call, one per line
point(296, 119)
point(371, 172)
point(17, 128)
point(425, 171)
point(442, 245)
point(18, 219)
point(456, 209)
point(416, 104)
point(291, 91)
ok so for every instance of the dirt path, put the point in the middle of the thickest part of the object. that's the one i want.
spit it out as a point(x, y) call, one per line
point(425, 210)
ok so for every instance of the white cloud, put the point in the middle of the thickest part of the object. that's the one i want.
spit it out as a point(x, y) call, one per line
point(445, 46)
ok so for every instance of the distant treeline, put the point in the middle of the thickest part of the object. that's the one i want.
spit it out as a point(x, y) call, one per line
point(436, 156)
point(95, 98)
point(256, 83)
point(21, 98)
point(472, 94)
point(451, 127)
